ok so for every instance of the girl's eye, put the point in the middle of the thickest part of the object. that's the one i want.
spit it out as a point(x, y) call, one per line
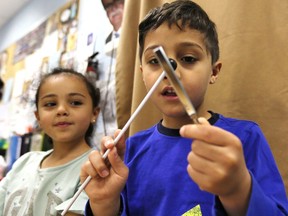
point(76, 103)
point(49, 104)
point(188, 59)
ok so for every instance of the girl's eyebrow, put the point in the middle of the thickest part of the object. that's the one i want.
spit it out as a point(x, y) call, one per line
point(70, 94)
point(77, 94)
point(48, 96)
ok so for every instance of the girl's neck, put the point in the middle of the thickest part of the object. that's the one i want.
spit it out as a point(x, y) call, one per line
point(63, 154)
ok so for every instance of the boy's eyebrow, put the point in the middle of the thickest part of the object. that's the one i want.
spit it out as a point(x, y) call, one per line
point(191, 44)
point(150, 48)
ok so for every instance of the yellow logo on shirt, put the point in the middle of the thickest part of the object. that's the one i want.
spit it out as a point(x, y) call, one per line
point(196, 211)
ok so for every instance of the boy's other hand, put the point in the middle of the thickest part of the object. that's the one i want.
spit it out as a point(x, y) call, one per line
point(216, 162)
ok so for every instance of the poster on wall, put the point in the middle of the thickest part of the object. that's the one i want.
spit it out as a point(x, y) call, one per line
point(3, 62)
point(7, 91)
point(29, 43)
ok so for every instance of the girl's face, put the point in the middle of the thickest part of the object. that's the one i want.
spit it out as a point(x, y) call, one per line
point(194, 70)
point(65, 109)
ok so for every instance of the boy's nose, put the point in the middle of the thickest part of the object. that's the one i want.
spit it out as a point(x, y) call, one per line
point(173, 63)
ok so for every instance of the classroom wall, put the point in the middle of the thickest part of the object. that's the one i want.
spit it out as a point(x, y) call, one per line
point(34, 13)
point(92, 19)
point(92, 23)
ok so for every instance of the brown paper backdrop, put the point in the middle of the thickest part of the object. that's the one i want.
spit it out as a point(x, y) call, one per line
point(252, 85)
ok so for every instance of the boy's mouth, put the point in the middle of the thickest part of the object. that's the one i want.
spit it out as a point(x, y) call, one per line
point(169, 91)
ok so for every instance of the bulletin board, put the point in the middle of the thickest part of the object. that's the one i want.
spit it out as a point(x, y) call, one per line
point(51, 44)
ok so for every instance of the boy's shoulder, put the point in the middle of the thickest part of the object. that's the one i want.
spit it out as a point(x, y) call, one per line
point(232, 120)
point(228, 123)
point(145, 132)
point(240, 127)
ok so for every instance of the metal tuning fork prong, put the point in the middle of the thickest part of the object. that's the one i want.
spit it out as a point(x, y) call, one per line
point(177, 85)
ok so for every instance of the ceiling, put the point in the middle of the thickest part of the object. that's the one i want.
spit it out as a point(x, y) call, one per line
point(9, 8)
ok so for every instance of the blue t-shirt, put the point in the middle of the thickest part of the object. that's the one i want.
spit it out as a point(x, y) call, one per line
point(158, 182)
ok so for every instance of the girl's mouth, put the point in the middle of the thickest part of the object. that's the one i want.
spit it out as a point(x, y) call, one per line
point(62, 124)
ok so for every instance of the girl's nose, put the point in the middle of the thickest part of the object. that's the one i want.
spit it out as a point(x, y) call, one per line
point(62, 110)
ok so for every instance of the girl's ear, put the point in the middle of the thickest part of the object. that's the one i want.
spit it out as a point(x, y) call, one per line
point(37, 115)
point(96, 112)
point(215, 72)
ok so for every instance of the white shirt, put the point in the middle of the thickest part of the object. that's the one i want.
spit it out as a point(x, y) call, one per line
point(29, 190)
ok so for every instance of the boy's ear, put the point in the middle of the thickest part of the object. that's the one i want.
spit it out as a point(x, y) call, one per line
point(215, 72)
point(141, 69)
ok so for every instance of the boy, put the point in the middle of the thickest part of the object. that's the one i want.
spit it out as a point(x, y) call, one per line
point(231, 170)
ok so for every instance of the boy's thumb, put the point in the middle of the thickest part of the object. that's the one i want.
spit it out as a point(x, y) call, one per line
point(203, 121)
point(117, 163)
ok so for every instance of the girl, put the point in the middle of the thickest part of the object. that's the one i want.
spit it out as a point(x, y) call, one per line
point(66, 110)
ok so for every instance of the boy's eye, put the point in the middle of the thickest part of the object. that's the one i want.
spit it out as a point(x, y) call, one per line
point(188, 59)
point(153, 61)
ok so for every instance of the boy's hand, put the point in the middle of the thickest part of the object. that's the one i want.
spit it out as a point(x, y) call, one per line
point(217, 165)
point(108, 180)
point(107, 143)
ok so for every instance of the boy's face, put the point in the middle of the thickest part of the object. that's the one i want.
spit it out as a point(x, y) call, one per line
point(194, 70)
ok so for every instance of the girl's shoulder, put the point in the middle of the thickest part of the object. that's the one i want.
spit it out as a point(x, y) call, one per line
point(30, 157)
